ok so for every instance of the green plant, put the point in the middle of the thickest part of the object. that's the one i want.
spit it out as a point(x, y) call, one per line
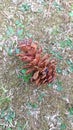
point(71, 110)
point(7, 117)
point(3, 98)
point(32, 105)
point(59, 86)
point(24, 76)
point(70, 64)
point(25, 7)
point(66, 43)
point(63, 126)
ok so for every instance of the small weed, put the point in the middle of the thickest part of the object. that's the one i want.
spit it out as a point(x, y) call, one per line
point(71, 111)
point(19, 24)
point(59, 86)
point(59, 70)
point(66, 43)
point(63, 126)
point(70, 63)
point(10, 31)
point(7, 117)
point(25, 7)
point(41, 96)
point(50, 85)
point(32, 105)
point(71, 14)
point(24, 76)
point(3, 98)
point(56, 54)
point(28, 35)
point(22, 126)
point(57, 6)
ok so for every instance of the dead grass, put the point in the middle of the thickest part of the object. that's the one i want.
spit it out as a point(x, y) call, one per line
point(43, 107)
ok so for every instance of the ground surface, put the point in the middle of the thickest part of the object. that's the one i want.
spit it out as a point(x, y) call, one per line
point(24, 106)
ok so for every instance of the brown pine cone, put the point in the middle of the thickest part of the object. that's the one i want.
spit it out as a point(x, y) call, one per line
point(42, 68)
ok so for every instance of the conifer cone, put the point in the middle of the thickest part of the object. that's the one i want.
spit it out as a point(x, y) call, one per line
point(42, 68)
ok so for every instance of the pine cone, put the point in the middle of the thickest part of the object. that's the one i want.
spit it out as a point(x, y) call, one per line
point(42, 68)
